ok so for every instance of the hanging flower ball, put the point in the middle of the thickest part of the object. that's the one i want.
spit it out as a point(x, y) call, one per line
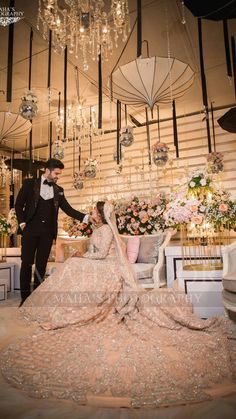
point(78, 182)
point(160, 154)
point(28, 107)
point(90, 169)
point(58, 151)
point(215, 162)
point(126, 136)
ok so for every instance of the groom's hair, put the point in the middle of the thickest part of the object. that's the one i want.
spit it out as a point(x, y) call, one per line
point(52, 164)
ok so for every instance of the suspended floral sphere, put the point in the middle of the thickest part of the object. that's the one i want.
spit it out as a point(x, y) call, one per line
point(90, 169)
point(28, 108)
point(78, 182)
point(58, 151)
point(126, 136)
point(160, 154)
point(215, 162)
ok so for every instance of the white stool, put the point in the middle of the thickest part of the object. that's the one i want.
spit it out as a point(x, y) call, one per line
point(3, 289)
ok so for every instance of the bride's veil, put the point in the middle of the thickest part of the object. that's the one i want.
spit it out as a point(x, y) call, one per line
point(131, 289)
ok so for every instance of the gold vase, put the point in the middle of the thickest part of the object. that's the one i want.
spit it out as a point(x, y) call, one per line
point(3, 247)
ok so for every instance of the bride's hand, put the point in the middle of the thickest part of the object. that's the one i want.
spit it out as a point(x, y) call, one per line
point(77, 254)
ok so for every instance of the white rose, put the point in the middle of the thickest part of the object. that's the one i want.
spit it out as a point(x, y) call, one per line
point(202, 208)
point(203, 182)
point(192, 184)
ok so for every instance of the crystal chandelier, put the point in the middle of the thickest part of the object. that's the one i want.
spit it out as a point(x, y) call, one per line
point(82, 122)
point(84, 24)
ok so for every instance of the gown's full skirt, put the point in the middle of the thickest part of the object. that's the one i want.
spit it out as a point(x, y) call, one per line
point(107, 340)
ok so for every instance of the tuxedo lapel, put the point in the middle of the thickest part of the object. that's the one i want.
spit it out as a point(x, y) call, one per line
point(37, 185)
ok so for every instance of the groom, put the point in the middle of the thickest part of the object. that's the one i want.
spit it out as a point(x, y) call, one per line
point(37, 206)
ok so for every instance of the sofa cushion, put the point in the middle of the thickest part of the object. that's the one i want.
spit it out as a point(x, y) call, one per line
point(143, 270)
point(229, 282)
point(132, 248)
point(149, 248)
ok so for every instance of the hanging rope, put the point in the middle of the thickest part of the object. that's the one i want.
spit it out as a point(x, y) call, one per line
point(90, 133)
point(203, 80)
point(100, 91)
point(227, 49)
point(158, 124)
point(148, 138)
point(213, 126)
point(65, 93)
point(10, 56)
point(118, 126)
point(175, 131)
point(29, 87)
point(49, 93)
point(139, 28)
point(234, 62)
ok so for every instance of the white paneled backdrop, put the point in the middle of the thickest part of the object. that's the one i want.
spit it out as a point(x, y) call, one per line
point(137, 177)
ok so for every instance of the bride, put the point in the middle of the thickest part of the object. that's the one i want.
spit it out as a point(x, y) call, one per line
point(102, 336)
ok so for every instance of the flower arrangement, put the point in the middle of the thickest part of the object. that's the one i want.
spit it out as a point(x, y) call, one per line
point(141, 217)
point(215, 162)
point(221, 211)
point(12, 221)
point(5, 227)
point(75, 228)
point(183, 210)
point(199, 184)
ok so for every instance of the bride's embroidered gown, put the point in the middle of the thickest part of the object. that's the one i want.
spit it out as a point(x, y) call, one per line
point(108, 338)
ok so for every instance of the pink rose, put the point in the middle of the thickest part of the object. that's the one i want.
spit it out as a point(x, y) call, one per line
point(223, 207)
point(193, 208)
point(197, 219)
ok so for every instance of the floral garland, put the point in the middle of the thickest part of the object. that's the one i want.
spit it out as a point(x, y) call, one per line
point(75, 228)
point(140, 217)
point(12, 221)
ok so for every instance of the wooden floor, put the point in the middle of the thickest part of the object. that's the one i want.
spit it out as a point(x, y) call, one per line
point(16, 404)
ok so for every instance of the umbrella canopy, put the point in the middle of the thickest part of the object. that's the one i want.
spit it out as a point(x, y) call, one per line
point(146, 81)
point(215, 10)
point(228, 120)
point(13, 127)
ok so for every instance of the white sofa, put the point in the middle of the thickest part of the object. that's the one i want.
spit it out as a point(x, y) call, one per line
point(229, 279)
point(149, 269)
point(149, 272)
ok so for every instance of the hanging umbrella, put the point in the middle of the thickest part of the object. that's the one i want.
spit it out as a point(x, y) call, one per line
point(147, 81)
point(13, 127)
point(228, 120)
point(215, 10)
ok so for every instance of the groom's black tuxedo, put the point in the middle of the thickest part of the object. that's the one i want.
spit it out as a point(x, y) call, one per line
point(40, 216)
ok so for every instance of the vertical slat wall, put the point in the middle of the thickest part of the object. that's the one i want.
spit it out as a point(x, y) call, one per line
point(133, 181)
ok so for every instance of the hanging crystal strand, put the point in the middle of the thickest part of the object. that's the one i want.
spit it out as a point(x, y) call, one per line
point(183, 20)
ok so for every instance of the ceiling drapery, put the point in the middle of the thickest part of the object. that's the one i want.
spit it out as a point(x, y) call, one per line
point(13, 127)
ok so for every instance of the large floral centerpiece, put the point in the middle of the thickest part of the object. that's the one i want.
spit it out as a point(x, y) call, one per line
point(140, 216)
point(75, 228)
point(183, 210)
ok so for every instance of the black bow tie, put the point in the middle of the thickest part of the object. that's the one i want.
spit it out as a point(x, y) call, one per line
point(45, 182)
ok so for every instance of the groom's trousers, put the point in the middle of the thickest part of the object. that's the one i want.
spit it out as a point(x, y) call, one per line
point(36, 245)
